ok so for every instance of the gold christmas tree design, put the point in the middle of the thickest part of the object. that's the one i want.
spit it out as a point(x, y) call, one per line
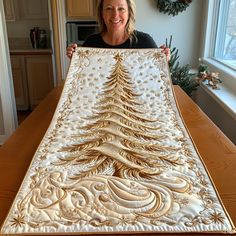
point(119, 139)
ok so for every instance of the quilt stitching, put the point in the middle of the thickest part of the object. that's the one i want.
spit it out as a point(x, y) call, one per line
point(116, 156)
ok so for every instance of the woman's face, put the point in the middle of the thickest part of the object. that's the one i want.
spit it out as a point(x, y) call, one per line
point(115, 15)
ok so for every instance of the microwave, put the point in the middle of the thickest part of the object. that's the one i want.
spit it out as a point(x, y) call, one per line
point(78, 31)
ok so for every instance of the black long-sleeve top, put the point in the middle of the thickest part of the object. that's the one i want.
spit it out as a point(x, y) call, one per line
point(143, 40)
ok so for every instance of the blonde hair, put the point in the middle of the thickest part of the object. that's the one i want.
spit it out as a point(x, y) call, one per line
point(130, 26)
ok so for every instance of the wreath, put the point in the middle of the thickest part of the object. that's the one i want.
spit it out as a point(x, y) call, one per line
point(172, 7)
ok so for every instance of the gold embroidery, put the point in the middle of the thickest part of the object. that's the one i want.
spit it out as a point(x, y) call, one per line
point(128, 166)
point(18, 221)
point(217, 217)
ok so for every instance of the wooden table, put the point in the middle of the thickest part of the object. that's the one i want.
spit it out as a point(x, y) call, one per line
point(217, 151)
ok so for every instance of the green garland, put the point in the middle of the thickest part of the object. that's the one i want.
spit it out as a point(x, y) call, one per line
point(172, 7)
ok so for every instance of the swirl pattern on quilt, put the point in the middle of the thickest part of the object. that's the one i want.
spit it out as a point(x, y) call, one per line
point(117, 156)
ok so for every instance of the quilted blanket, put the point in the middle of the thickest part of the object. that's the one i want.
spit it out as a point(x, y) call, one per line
point(117, 157)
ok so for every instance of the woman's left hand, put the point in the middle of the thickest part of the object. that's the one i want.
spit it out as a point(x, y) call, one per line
point(166, 51)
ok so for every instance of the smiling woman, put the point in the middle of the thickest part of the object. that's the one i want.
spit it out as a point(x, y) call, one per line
point(117, 19)
point(115, 16)
point(117, 26)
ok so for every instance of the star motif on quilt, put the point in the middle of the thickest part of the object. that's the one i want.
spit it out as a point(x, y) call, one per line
point(217, 217)
point(18, 221)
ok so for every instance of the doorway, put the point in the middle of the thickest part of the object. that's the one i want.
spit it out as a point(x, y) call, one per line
point(31, 57)
point(8, 117)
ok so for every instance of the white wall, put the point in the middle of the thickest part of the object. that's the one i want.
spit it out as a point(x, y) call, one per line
point(217, 113)
point(185, 28)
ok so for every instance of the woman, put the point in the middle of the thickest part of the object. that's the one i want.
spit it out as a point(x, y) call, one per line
point(117, 19)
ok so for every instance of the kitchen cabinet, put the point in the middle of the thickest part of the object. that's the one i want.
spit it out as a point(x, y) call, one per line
point(33, 9)
point(81, 9)
point(20, 83)
point(39, 77)
point(32, 78)
point(25, 9)
point(10, 7)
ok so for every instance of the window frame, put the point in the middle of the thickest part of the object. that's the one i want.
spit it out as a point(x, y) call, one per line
point(224, 9)
point(221, 27)
point(210, 21)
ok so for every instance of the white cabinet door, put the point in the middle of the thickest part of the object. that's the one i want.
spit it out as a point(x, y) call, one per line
point(39, 77)
point(20, 82)
point(10, 10)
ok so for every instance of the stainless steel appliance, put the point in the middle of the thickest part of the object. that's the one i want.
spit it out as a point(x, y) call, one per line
point(78, 31)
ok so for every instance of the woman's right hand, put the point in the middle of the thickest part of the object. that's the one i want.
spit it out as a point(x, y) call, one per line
point(70, 50)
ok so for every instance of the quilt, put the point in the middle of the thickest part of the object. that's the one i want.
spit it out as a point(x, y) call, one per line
point(117, 157)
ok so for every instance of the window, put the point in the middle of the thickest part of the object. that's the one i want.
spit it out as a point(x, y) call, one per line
point(225, 46)
point(219, 50)
point(219, 40)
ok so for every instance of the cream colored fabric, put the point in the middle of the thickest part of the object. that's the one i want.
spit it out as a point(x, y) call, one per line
point(117, 157)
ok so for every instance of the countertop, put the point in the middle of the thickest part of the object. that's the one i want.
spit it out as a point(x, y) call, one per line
point(30, 51)
point(22, 46)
